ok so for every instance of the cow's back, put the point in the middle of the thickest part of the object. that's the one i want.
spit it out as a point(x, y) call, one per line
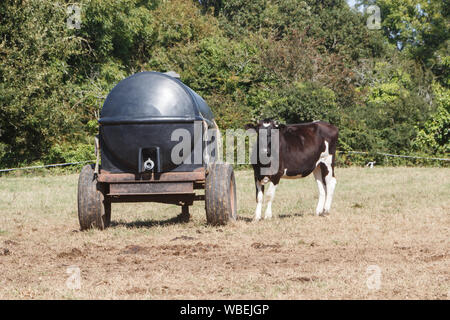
point(330, 133)
point(301, 146)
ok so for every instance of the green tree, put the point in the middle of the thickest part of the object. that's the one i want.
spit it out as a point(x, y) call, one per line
point(295, 60)
point(421, 27)
point(37, 92)
point(434, 136)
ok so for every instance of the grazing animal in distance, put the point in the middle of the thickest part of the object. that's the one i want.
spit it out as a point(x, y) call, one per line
point(297, 151)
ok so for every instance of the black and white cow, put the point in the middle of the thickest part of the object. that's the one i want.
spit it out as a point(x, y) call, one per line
point(302, 149)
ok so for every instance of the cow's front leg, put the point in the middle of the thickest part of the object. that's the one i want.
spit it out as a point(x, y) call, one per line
point(259, 200)
point(271, 194)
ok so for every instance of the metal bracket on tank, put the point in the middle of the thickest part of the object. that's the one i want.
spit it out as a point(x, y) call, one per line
point(97, 155)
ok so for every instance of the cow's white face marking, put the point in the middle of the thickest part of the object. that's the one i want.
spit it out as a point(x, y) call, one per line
point(266, 124)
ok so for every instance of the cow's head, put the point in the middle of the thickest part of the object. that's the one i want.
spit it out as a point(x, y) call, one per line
point(267, 147)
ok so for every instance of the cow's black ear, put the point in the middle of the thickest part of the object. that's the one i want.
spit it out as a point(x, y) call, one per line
point(250, 126)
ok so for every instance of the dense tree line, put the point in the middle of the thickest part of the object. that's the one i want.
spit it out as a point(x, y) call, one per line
point(388, 90)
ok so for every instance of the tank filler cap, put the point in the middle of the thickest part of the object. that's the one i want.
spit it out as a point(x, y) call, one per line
point(149, 165)
point(172, 74)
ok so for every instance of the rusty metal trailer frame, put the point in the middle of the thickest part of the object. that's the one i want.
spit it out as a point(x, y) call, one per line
point(97, 191)
point(169, 187)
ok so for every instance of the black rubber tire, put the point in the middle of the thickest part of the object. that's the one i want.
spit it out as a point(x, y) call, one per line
point(93, 210)
point(220, 194)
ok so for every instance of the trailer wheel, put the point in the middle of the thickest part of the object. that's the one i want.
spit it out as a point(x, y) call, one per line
point(220, 194)
point(93, 210)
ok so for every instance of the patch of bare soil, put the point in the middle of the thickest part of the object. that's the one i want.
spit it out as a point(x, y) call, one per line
point(5, 252)
point(258, 245)
point(74, 253)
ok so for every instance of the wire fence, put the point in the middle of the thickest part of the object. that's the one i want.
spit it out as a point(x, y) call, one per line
point(342, 152)
point(47, 166)
point(394, 155)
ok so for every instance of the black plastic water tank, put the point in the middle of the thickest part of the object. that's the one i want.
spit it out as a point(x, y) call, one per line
point(138, 117)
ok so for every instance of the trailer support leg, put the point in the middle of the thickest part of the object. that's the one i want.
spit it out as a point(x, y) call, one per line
point(185, 215)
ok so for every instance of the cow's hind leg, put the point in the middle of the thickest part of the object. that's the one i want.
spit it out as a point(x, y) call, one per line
point(330, 183)
point(271, 194)
point(259, 200)
point(322, 191)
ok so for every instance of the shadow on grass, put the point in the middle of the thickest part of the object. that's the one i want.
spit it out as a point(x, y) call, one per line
point(290, 215)
point(179, 219)
point(281, 216)
point(245, 219)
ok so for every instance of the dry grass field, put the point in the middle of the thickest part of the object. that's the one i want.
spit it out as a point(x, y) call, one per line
point(396, 219)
